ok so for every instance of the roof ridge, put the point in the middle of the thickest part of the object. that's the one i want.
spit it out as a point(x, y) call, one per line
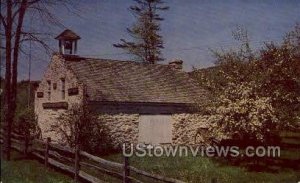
point(114, 60)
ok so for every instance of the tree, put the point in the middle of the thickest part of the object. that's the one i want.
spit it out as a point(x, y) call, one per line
point(148, 43)
point(80, 126)
point(27, 123)
point(256, 95)
point(279, 75)
point(241, 111)
point(12, 17)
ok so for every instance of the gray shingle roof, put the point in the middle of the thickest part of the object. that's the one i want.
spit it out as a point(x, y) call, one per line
point(67, 34)
point(127, 81)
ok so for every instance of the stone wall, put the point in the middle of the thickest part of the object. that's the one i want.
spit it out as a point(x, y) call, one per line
point(55, 71)
point(123, 128)
point(189, 129)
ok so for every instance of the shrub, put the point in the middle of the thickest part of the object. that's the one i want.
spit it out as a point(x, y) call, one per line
point(79, 125)
point(240, 111)
point(256, 94)
point(26, 123)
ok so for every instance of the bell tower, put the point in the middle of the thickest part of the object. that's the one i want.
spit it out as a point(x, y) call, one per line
point(67, 42)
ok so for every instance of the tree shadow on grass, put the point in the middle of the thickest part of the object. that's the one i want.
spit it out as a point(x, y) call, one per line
point(286, 159)
point(260, 164)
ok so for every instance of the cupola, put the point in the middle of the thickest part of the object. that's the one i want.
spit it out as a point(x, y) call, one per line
point(67, 42)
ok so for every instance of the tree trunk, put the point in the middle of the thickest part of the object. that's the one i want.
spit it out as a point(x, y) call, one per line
point(7, 92)
point(16, 57)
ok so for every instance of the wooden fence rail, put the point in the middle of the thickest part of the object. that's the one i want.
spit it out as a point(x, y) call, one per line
point(75, 161)
point(72, 161)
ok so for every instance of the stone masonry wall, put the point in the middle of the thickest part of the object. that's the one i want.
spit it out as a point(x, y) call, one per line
point(123, 128)
point(189, 129)
point(47, 117)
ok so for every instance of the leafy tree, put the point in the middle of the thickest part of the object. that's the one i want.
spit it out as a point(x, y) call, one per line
point(279, 74)
point(79, 125)
point(233, 66)
point(27, 123)
point(256, 95)
point(148, 43)
point(241, 111)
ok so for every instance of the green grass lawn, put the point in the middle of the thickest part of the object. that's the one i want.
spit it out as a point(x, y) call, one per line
point(189, 169)
point(20, 170)
point(203, 170)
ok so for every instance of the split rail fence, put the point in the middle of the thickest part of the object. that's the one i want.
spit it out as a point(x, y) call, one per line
point(80, 164)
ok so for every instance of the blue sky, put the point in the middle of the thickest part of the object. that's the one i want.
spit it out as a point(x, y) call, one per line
point(191, 28)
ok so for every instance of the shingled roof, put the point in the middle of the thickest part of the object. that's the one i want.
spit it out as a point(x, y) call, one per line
point(68, 34)
point(128, 81)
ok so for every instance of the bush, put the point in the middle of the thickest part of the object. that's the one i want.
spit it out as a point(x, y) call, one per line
point(256, 94)
point(79, 125)
point(26, 123)
point(240, 111)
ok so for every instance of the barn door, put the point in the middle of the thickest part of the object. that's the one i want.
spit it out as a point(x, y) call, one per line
point(155, 129)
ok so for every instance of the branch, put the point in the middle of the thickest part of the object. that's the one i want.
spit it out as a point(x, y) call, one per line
point(43, 11)
point(33, 37)
point(46, 15)
point(2, 17)
point(22, 51)
point(33, 2)
point(28, 4)
point(3, 21)
point(36, 33)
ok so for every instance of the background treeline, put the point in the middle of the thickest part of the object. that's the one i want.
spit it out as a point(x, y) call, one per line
point(23, 100)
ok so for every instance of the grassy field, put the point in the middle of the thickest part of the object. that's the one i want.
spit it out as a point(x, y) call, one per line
point(201, 169)
point(21, 170)
point(190, 169)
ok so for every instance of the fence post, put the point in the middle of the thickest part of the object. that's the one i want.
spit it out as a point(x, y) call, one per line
point(47, 151)
point(214, 180)
point(126, 171)
point(77, 161)
point(26, 143)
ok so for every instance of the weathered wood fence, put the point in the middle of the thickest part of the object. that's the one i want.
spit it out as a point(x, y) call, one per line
point(81, 164)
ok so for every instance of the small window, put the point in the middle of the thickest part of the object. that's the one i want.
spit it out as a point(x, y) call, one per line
point(49, 90)
point(63, 88)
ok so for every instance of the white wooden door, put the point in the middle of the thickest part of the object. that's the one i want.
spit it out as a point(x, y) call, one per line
point(155, 129)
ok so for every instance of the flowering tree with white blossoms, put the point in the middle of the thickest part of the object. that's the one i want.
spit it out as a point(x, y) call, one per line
point(256, 95)
point(240, 111)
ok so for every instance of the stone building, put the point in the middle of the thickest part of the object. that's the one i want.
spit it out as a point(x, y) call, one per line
point(139, 102)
